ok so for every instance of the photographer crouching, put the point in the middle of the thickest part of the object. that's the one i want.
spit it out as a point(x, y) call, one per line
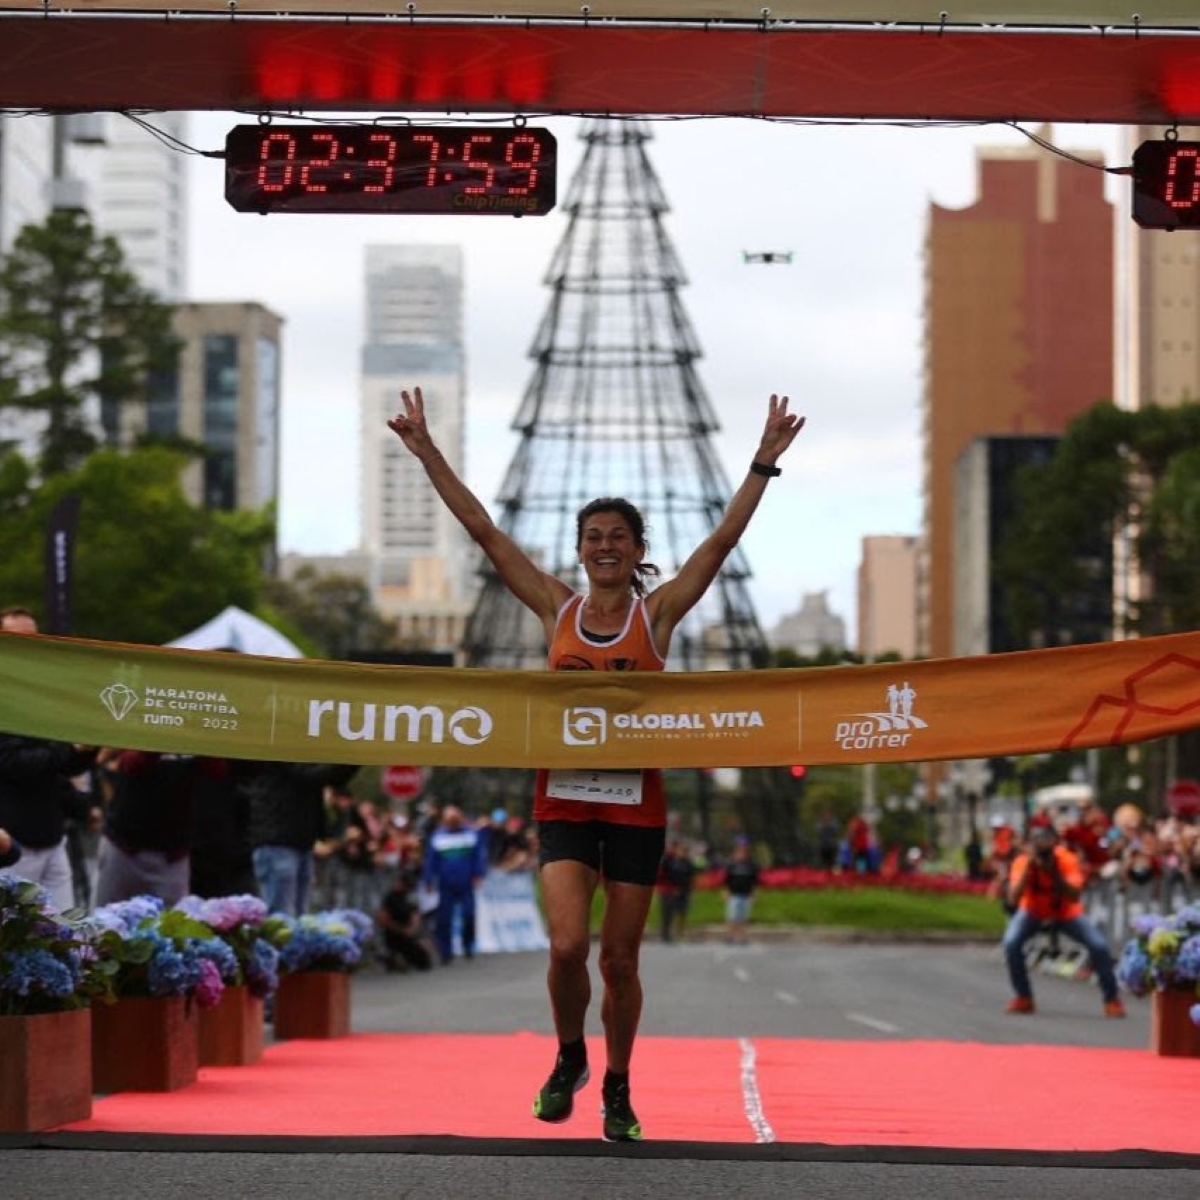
point(1045, 885)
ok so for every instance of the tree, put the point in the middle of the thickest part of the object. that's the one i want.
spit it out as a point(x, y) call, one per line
point(80, 338)
point(1116, 474)
point(149, 566)
point(333, 612)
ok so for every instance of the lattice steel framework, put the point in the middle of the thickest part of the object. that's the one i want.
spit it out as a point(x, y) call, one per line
point(615, 407)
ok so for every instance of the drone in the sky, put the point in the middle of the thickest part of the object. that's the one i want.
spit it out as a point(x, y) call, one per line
point(783, 257)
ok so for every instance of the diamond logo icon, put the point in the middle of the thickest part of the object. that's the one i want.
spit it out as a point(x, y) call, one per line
point(119, 699)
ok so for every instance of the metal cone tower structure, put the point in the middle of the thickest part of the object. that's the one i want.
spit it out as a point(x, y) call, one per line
point(615, 408)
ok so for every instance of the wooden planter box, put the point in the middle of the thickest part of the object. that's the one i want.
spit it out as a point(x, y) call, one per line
point(45, 1070)
point(313, 1004)
point(1171, 1028)
point(231, 1035)
point(144, 1044)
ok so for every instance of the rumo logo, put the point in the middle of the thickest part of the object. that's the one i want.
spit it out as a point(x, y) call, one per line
point(584, 726)
point(398, 722)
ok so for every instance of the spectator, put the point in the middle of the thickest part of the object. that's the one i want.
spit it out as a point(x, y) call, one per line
point(287, 820)
point(999, 863)
point(400, 923)
point(221, 859)
point(859, 845)
point(1047, 883)
point(455, 863)
point(329, 873)
point(37, 796)
point(10, 849)
point(741, 878)
point(146, 844)
point(675, 879)
point(828, 838)
point(508, 843)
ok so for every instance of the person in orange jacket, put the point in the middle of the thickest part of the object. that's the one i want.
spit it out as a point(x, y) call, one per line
point(1045, 885)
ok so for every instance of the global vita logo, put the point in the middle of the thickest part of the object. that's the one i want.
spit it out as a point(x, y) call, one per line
point(120, 700)
point(585, 726)
point(883, 730)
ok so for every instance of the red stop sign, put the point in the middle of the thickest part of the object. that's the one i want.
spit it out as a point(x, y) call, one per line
point(403, 783)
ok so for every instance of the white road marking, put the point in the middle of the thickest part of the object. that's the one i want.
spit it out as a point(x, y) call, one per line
point(786, 997)
point(873, 1022)
point(751, 1100)
point(741, 974)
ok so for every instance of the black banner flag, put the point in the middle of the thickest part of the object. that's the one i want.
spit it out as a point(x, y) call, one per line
point(60, 554)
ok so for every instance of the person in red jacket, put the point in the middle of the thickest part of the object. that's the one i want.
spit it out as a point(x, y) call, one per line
point(1045, 886)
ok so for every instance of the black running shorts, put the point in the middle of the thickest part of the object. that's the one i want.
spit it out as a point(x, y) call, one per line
point(621, 853)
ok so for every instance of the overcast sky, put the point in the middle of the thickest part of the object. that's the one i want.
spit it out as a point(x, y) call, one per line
point(839, 330)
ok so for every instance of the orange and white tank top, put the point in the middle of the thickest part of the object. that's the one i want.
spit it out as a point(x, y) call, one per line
point(571, 649)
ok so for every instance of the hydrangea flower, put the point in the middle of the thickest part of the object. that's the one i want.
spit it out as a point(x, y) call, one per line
point(324, 941)
point(239, 925)
point(1163, 954)
point(47, 964)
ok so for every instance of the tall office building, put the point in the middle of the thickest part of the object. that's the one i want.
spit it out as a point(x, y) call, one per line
point(887, 596)
point(1018, 332)
point(414, 335)
point(141, 200)
point(985, 499)
point(226, 396)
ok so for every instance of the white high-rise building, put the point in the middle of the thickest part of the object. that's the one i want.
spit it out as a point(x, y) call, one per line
point(26, 158)
point(414, 337)
point(141, 199)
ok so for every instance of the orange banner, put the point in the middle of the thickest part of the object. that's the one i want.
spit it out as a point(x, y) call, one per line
point(239, 706)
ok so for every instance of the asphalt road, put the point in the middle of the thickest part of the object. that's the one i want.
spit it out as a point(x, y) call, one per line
point(799, 988)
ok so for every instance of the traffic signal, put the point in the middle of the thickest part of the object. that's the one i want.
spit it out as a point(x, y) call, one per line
point(799, 772)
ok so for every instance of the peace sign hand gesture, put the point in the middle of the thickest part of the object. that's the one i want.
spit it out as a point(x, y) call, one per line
point(779, 431)
point(410, 426)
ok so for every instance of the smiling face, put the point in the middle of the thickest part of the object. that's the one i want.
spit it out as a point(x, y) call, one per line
point(609, 549)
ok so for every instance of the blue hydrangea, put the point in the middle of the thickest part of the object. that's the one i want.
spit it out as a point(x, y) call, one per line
point(262, 969)
point(1187, 965)
point(1133, 969)
point(39, 972)
point(220, 954)
point(125, 916)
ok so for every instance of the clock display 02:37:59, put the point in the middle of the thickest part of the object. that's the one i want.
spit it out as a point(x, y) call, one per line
point(508, 171)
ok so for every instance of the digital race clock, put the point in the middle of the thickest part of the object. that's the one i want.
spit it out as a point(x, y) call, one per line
point(1166, 185)
point(508, 171)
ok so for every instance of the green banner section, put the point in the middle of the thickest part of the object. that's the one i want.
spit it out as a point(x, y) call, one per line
point(240, 706)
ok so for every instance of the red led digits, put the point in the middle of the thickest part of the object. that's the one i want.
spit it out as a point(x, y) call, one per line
point(435, 147)
point(1182, 178)
point(478, 164)
point(385, 143)
point(331, 152)
point(363, 168)
point(283, 179)
point(530, 154)
point(1166, 185)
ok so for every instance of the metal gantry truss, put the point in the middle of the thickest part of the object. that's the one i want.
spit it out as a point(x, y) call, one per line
point(615, 407)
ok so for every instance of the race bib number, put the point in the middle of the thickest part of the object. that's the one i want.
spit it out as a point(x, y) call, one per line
point(595, 787)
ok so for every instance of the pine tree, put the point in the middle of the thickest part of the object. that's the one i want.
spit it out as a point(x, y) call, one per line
point(80, 338)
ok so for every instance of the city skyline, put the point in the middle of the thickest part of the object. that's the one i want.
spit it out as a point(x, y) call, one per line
point(838, 328)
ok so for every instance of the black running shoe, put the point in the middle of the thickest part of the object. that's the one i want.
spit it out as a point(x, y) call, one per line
point(556, 1100)
point(620, 1121)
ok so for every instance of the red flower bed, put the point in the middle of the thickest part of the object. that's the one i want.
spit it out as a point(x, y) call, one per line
point(799, 878)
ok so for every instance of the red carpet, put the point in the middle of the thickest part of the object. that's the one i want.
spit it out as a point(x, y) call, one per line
point(913, 1094)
